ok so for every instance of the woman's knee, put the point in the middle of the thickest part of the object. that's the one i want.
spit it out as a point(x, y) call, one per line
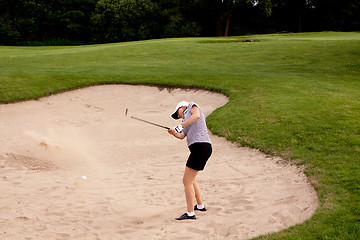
point(187, 181)
point(189, 176)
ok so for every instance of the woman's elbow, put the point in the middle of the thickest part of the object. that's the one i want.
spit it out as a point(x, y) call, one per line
point(181, 136)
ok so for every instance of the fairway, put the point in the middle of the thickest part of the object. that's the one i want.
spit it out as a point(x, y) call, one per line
point(292, 95)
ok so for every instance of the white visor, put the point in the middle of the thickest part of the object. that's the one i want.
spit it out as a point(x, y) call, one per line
point(179, 105)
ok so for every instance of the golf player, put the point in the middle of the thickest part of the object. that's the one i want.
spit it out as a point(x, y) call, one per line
point(194, 129)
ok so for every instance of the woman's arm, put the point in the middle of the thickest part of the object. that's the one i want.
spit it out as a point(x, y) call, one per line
point(195, 116)
point(175, 134)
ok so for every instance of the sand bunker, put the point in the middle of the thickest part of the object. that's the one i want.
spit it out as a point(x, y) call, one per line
point(134, 172)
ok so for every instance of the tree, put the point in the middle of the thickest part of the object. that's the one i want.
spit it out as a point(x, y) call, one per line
point(220, 12)
point(8, 31)
point(124, 20)
point(292, 15)
point(337, 15)
point(47, 20)
point(226, 8)
point(100, 21)
point(179, 18)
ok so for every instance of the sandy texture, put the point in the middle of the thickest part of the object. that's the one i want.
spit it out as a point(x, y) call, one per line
point(134, 172)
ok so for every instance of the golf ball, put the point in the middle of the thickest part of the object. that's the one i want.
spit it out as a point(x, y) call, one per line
point(83, 177)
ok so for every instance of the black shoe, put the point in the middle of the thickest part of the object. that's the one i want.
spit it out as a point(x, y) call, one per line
point(185, 216)
point(202, 210)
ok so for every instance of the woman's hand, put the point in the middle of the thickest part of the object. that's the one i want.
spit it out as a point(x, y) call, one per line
point(176, 134)
point(171, 131)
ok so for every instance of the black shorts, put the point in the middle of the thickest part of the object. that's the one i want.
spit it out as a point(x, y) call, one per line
point(199, 154)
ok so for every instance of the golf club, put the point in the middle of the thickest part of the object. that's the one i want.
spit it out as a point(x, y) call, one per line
point(155, 124)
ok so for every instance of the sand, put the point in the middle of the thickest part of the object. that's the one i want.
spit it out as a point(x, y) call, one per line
point(134, 172)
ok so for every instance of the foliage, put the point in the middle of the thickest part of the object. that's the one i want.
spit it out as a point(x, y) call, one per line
point(7, 35)
point(47, 22)
point(338, 15)
point(178, 26)
point(179, 18)
point(124, 20)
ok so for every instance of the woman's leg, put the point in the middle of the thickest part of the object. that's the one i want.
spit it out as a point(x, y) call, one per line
point(189, 181)
point(198, 194)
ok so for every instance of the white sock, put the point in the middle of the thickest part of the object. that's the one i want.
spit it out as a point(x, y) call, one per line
point(190, 214)
point(200, 206)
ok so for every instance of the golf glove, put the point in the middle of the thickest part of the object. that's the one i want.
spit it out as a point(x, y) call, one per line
point(178, 128)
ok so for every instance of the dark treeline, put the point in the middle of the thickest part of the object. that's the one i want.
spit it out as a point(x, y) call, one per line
point(64, 22)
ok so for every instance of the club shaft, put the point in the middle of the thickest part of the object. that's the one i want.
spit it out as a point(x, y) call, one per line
point(155, 124)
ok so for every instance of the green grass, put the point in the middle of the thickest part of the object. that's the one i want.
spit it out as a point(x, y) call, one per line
point(293, 95)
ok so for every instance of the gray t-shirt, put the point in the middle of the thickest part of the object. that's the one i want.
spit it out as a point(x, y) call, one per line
point(196, 132)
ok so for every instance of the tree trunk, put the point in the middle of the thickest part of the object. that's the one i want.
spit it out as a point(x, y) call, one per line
point(300, 23)
point(219, 26)
point(227, 24)
point(228, 13)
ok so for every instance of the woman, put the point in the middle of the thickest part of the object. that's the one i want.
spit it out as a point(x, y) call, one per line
point(194, 128)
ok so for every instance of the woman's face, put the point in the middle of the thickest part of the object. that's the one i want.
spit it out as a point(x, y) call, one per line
point(180, 112)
